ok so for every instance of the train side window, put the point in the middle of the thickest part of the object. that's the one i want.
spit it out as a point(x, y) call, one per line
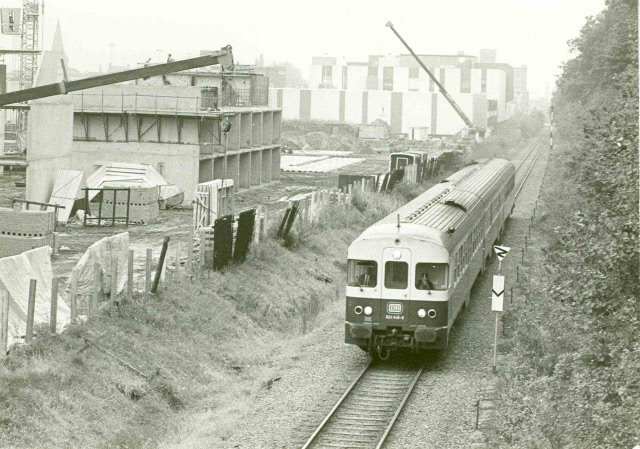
point(396, 275)
point(432, 276)
point(362, 273)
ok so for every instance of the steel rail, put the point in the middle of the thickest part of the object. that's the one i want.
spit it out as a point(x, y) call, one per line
point(533, 147)
point(533, 164)
point(337, 405)
point(400, 407)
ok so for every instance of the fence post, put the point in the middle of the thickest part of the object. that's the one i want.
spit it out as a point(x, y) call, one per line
point(31, 308)
point(190, 252)
point(74, 294)
point(53, 317)
point(265, 222)
point(130, 276)
point(176, 273)
point(203, 246)
point(4, 322)
point(114, 281)
point(55, 241)
point(163, 254)
point(147, 283)
point(97, 286)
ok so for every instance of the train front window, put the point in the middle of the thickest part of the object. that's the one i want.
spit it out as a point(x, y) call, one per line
point(396, 275)
point(362, 273)
point(431, 276)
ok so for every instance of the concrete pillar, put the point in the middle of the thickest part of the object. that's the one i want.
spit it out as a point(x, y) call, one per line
point(206, 170)
point(2, 124)
point(256, 140)
point(275, 164)
point(233, 170)
point(266, 166)
point(218, 168)
point(256, 168)
point(246, 133)
point(49, 144)
point(267, 128)
point(245, 170)
point(277, 127)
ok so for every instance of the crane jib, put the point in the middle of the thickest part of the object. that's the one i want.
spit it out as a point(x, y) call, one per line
point(450, 99)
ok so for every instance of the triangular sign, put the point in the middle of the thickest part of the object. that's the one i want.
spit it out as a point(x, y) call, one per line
point(501, 251)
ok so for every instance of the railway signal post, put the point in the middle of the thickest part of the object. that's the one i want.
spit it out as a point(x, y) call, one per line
point(497, 296)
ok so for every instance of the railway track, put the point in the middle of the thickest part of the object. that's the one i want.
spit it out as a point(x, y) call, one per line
point(366, 412)
point(531, 156)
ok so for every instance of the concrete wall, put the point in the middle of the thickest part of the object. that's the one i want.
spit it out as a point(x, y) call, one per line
point(49, 143)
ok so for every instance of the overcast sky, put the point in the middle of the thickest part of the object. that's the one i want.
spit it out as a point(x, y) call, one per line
point(531, 32)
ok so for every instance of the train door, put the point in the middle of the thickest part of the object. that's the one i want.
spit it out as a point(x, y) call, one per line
point(396, 277)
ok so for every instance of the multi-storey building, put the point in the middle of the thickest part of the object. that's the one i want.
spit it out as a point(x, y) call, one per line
point(398, 89)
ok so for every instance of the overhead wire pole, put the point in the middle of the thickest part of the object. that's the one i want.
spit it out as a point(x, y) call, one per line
point(450, 99)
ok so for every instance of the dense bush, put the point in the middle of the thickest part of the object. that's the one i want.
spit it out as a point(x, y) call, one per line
point(577, 348)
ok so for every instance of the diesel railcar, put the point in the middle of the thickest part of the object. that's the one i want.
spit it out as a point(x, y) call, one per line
point(409, 275)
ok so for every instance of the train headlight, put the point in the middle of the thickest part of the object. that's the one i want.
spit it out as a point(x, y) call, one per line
point(422, 313)
point(368, 310)
point(431, 313)
point(357, 310)
point(397, 255)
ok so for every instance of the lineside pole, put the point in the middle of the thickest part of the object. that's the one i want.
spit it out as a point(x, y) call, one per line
point(4, 322)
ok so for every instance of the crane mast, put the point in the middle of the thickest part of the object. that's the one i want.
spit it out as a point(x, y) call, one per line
point(449, 98)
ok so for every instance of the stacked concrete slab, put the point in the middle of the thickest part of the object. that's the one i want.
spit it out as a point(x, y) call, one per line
point(143, 205)
point(21, 231)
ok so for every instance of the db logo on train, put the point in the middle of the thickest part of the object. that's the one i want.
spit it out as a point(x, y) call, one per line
point(394, 309)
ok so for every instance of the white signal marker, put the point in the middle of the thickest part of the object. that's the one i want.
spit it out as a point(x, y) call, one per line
point(497, 295)
point(501, 251)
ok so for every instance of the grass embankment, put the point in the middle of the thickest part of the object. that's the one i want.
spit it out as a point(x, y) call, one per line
point(210, 344)
point(573, 375)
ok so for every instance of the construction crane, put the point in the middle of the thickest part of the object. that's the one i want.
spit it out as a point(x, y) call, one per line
point(449, 98)
point(223, 57)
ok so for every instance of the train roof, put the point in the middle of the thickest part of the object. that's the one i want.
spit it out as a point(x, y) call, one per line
point(446, 204)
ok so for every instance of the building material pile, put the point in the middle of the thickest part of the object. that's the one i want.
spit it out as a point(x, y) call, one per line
point(66, 191)
point(147, 188)
point(111, 255)
point(142, 204)
point(15, 275)
point(24, 230)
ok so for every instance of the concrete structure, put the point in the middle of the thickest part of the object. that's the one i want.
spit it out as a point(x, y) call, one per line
point(176, 129)
point(398, 87)
point(402, 110)
point(21, 231)
point(520, 90)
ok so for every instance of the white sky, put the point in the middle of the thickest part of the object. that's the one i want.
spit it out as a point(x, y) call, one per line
point(531, 32)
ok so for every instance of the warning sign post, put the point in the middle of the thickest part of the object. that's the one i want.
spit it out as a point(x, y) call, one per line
point(497, 303)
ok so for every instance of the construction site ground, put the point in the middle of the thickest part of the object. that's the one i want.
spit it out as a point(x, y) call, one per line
point(74, 238)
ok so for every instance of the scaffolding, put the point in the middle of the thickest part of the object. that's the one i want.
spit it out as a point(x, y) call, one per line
point(28, 62)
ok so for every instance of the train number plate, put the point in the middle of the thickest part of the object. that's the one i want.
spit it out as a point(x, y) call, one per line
point(394, 307)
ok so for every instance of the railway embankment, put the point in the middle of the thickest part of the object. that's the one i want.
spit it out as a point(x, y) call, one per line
point(572, 338)
point(191, 362)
